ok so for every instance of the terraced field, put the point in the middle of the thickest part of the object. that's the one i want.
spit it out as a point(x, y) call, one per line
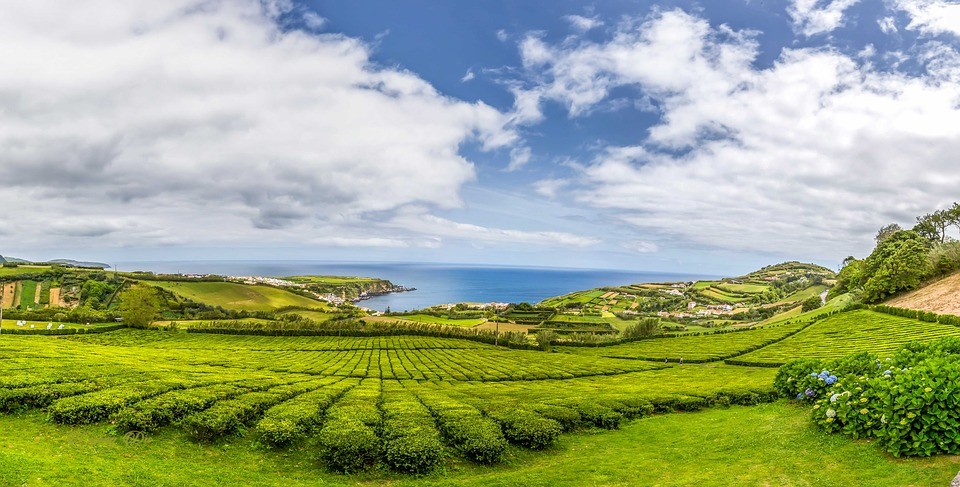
point(845, 333)
point(694, 348)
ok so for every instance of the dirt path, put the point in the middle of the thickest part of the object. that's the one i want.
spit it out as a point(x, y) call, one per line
point(941, 297)
point(36, 296)
point(9, 289)
point(55, 297)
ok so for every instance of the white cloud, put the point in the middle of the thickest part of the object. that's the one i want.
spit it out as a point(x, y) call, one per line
point(812, 17)
point(469, 75)
point(519, 157)
point(583, 24)
point(428, 224)
point(502, 36)
point(807, 157)
point(550, 187)
point(640, 246)
point(211, 124)
point(314, 21)
point(932, 16)
point(888, 25)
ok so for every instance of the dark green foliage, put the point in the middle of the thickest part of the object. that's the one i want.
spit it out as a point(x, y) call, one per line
point(527, 428)
point(568, 418)
point(794, 376)
point(812, 303)
point(463, 426)
point(42, 395)
point(97, 406)
point(162, 410)
point(348, 445)
point(411, 442)
point(227, 417)
point(898, 263)
point(595, 414)
point(295, 419)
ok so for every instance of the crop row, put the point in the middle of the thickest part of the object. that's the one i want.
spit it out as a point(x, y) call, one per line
point(139, 338)
point(851, 332)
point(706, 348)
point(227, 417)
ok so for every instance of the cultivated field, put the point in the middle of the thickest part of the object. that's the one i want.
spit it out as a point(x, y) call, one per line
point(846, 333)
point(238, 296)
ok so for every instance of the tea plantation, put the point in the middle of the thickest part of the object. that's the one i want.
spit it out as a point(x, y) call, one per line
point(387, 407)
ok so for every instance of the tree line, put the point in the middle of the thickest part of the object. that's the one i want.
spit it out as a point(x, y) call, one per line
point(902, 259)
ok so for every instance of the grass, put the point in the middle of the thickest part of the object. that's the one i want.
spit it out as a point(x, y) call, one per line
point(438, 320)
point(845, 333)
point(21, 270)
point(42, 325)
point(28, 295)
point(239, 297)
point(332, 280)
point(764, 445)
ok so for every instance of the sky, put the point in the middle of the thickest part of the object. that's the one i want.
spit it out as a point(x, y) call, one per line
point(708, 137)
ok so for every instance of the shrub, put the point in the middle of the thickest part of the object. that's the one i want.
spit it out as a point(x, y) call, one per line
point(97, 406)
point(348, 445)
point(793, 378)
point(910, 404)
point(478, 438)
point(527, 428)
point(162, 410)
point(295, 419)
point(568, 418)
point(411, 443)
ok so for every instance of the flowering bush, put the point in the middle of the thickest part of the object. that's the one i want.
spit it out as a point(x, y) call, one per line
point(909, 402)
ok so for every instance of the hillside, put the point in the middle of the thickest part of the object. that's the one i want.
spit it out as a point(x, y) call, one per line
point(941, 297)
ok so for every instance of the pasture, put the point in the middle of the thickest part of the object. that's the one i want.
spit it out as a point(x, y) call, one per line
point(239, 297)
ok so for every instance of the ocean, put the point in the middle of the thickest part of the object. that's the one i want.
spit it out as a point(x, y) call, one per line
point(434, 283)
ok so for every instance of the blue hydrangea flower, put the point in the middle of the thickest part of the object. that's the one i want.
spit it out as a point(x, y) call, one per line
point(813, 374)
point(810, 392)
point(887, 372)
point(830, 380)
point(799, 396)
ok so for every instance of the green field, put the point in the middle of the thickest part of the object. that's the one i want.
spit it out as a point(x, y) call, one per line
point(28, 294)
point(332, 280)
point(856, 331)
point(42, 325)
point(714, 346)
point(438, 320)
point(292, 410)
point(238, 297)
point(21, 270)
point(746, 446)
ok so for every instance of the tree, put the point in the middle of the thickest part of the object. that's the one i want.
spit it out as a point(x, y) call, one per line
point(897, 264)
point(933, 226)
point(139, 306)
point(887, 232)
point(812, 303)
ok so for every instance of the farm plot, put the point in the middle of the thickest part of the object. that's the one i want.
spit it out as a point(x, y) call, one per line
point(239, 297)
point(692, 348)
point(851, 332)
point(400, 401)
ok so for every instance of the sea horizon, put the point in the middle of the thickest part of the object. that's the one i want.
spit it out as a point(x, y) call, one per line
point(435, 283)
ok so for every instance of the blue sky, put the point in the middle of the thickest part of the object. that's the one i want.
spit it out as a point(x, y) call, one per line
point(709, 137)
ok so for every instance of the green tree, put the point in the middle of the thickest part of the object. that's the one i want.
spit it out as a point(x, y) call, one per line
point(139, 306)
point(887, 232)
point(897, 264)
point(812, 303)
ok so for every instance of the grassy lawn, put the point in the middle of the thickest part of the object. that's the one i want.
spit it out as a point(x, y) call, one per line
point(237, 296)
point(746, 446)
